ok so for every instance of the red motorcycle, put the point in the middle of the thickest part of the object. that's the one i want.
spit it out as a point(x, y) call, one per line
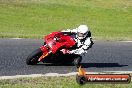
point(51, 52)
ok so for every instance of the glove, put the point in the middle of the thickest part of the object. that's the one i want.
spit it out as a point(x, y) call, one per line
point(65, 51)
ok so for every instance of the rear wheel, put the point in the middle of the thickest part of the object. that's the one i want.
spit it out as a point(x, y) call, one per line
point(77, 61)
point(32, 59)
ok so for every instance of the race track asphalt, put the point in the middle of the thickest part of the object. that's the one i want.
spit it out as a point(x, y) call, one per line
point(103, 56)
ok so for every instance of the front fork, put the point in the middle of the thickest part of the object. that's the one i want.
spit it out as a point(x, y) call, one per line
point(45, 51)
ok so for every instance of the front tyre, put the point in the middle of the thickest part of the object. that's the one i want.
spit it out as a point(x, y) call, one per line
point(32, 59)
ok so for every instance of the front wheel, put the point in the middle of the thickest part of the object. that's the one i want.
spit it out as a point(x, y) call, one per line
point(32, 59)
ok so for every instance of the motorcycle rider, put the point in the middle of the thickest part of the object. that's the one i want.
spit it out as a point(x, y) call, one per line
point(83, 41)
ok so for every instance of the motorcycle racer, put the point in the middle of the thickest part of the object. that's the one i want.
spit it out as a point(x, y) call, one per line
point(66, 47)
point(83, 40)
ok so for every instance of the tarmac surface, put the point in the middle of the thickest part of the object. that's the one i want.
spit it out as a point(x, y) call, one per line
point(103, 56)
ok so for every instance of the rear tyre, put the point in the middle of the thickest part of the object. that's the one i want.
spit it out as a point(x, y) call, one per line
point(32, 59)
point(77, 61)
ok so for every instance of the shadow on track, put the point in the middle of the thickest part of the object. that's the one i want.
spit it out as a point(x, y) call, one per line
point(101, 65)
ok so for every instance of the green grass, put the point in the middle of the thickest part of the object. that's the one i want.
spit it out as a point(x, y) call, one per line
point(54, 82)
point(107, 19)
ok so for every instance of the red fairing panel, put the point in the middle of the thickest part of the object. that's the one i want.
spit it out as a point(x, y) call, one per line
point(62, 40)
point(43, 49)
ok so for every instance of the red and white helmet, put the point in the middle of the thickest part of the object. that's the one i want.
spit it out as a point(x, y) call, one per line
point(82, 31)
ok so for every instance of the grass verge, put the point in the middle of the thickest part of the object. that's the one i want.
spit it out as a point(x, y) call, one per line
point(54, 82)
point(107, 19)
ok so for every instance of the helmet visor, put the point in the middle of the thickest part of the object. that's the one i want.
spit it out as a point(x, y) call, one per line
point(81, 34)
